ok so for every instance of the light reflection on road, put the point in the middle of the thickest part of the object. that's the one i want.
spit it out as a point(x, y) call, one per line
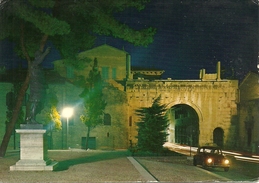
point(190, 151)
point(247, 159)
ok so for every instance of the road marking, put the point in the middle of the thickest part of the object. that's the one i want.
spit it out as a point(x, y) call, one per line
point(145, 174)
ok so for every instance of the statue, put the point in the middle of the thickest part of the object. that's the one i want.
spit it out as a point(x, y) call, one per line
point(38, 87)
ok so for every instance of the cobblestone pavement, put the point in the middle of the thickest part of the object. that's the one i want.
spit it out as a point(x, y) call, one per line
point(106, 166)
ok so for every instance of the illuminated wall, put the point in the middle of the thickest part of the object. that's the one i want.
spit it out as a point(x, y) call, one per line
point(112, 64)
point(215, 102)
point(212, 98)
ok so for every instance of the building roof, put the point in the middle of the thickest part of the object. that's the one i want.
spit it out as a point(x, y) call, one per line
point(103, 47)
point(249, 87)
point(248, 78)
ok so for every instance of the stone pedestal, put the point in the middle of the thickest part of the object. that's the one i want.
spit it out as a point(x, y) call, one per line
point(33, 153)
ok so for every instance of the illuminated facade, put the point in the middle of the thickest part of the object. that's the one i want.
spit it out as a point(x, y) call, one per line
point(200, 111)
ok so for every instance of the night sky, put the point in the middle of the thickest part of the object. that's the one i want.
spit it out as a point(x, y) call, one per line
point(191, 34)
point(195, 34)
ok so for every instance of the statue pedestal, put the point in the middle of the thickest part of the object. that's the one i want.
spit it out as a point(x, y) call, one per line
point(33, 153)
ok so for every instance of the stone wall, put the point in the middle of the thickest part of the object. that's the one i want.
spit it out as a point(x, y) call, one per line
point(107, 136)
point(248, 113)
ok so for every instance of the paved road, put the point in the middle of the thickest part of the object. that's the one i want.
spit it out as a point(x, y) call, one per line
point(115, 166)
point(177, 169)
point(239, 170)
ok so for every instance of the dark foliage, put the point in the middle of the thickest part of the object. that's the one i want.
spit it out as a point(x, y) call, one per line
point(152, 127)
point(93, 100)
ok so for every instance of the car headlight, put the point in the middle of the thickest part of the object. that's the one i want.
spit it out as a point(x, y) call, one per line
point(226, 161)
point(209, 160)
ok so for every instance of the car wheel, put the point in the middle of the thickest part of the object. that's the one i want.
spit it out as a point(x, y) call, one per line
point(204, 165)
point(194, 162)
point(226, 169)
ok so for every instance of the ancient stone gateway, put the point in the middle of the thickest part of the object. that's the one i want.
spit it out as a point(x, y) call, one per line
point(200, 111)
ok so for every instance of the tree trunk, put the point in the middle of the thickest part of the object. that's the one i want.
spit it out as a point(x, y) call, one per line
point(87, 137)
point(15, 116)
point(19, 101)
point(21, 94)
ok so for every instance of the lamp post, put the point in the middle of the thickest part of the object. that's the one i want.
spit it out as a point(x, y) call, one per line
point(67, 113)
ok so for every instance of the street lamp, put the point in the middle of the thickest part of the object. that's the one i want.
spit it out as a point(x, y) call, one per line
point(67, 113)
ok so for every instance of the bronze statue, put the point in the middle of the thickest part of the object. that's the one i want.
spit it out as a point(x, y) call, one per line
point(38, 87)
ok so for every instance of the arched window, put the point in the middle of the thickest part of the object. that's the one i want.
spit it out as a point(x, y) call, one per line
point(218, 136)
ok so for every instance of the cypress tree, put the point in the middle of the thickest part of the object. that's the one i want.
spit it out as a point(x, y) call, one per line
point(93, 101)
point(152, 127)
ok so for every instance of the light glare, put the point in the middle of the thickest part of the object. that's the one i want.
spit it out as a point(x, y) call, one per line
point(67, 112)
point(209, 160)
point(226, 161)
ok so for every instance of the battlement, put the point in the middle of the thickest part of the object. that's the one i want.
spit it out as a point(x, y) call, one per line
point(210, 77)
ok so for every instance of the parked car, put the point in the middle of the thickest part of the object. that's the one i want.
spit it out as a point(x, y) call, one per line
point(211, 156)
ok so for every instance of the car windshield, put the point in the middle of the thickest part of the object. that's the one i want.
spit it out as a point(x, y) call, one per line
point(210, 150)
point(215, 151)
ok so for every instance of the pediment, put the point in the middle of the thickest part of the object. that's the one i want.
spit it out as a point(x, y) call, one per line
point(104, 50)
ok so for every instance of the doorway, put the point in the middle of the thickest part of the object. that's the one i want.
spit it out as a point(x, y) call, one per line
point(218, 137)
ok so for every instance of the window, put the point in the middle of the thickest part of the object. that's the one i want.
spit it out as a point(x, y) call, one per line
point(114, 73)
point(10, 100)
point(105, 72)
point(107, 119)
point(130, 121)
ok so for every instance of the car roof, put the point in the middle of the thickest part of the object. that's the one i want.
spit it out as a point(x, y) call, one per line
point(210, 147)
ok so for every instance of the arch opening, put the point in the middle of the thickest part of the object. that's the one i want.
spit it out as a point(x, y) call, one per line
point(183, 125)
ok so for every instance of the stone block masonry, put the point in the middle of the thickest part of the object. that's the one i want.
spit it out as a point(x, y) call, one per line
point(33, 155)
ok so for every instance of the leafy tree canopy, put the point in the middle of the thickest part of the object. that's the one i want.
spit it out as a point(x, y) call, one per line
point(71, 25)
point(94, 104)
point(50, 113)
point(93, 98)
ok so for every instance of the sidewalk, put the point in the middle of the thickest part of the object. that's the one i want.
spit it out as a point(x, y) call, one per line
point(107, 166)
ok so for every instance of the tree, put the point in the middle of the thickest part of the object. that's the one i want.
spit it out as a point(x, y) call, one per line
point(71, 25)
point(10, 101)
point(50, 113)
point(152, 127)
point(93, 101)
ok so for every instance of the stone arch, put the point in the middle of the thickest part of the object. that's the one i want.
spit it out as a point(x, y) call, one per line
point(218, 136)
point(184, 128)
point(192, 105)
